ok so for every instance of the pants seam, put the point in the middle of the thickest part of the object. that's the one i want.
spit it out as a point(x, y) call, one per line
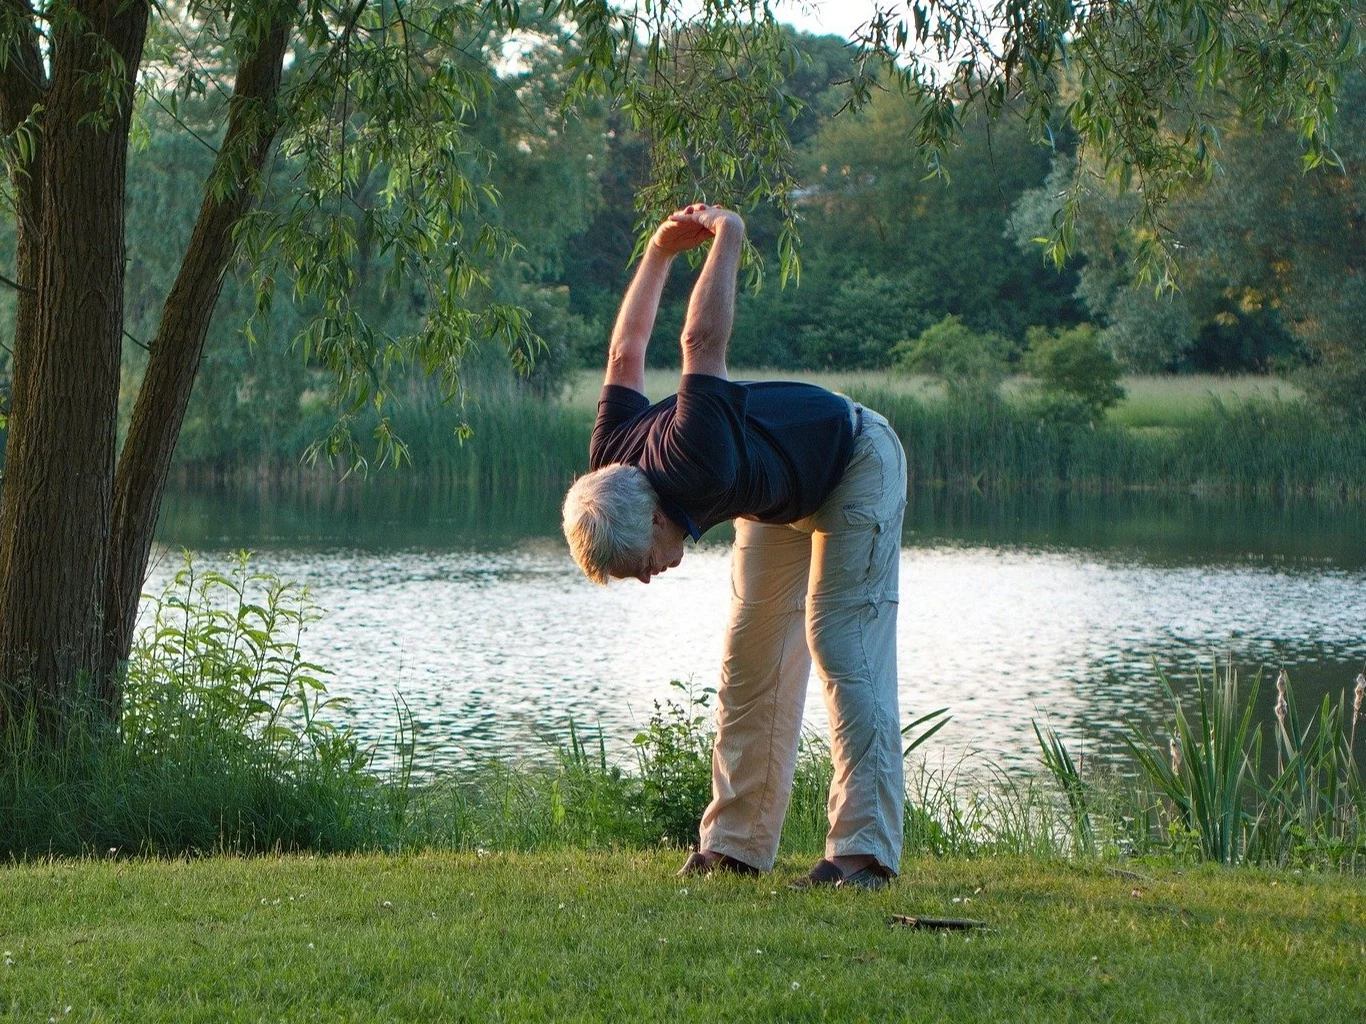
point(766, 800)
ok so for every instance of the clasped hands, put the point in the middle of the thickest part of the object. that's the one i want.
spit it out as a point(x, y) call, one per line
point(691, 226)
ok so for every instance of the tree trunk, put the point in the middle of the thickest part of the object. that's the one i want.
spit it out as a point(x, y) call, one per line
point(23, 88)
point(55, 509)
point(174, 360)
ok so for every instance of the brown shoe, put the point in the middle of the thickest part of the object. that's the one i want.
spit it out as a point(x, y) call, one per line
point(825, 874)
point(697, 864)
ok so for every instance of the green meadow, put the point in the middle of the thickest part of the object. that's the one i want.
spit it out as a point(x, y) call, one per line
point(615, 936)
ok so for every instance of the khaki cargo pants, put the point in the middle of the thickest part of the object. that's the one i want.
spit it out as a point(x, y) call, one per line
point(823, 588)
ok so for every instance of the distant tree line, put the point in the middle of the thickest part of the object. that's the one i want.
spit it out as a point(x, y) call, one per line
point(1270, 255)
point(1269, 276)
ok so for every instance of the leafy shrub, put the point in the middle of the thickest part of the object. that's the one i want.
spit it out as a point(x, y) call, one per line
point(224, 742)
point(1075, 371)
point(970, 364)
point(674, 753)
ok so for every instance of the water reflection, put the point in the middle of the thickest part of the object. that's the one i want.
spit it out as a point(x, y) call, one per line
point(1011, 610)
point(1166, 528)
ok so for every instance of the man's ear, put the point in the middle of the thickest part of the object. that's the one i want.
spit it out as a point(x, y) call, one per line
point(657, 516)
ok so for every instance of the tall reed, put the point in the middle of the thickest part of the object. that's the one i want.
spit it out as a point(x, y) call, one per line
point(1251, 448)
point(519, 441)
point(1211, 772)
point(1210, 790)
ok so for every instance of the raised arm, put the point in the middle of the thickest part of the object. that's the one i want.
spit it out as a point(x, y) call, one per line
point(636, 318)
point(711, 309)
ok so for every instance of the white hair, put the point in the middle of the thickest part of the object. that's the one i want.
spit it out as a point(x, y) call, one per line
point(608, 518)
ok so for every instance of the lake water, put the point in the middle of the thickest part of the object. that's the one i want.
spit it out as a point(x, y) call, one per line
point(1013, 609)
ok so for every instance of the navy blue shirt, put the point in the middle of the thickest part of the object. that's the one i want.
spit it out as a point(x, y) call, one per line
point(720, 449)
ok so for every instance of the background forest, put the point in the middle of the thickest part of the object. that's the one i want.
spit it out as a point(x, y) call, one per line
point(1270, 257)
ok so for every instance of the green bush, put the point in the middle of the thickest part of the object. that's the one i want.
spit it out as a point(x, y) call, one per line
point(970, 364)
point(1075, 371)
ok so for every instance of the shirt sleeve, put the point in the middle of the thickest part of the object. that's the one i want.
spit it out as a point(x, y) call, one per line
point(617, 406)
point(702, 446)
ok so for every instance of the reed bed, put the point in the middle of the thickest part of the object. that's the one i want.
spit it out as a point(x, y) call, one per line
point(1249, 449)
point(1244, 439)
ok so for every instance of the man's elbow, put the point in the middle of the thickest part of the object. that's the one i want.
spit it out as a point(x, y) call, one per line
point(622, 362)
point(699, 340)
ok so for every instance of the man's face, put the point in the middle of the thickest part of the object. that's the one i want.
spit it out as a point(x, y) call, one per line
point(665, 551)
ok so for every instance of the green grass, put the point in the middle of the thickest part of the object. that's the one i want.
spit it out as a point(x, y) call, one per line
point(1151, 401)
point(585, 386)
point(614, 936)
point(1172, 401)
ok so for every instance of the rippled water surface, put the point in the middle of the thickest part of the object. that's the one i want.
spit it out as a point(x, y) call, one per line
point(1011, 610)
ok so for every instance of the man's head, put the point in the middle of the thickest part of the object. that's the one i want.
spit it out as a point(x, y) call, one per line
point(615, 527)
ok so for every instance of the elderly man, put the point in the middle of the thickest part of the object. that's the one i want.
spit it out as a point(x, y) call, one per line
point(817, 487)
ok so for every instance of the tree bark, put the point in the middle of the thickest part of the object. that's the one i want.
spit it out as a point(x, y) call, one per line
point(55, 508)
point(23, 87)
point(174, 361)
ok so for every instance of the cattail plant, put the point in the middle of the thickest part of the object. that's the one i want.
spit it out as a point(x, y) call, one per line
point(1282, 716)
point(1358, 699)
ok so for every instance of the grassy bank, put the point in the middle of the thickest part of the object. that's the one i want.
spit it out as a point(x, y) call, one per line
point(544, 889)
point(615, 936)
point(226, 744)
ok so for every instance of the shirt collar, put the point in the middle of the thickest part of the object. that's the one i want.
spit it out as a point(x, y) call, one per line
point(680, 517)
